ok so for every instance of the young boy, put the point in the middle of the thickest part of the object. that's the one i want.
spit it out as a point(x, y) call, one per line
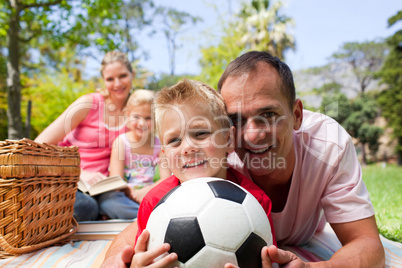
point(196, 137)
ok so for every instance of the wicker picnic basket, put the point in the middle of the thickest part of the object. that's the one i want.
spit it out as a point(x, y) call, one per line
point(38, 183)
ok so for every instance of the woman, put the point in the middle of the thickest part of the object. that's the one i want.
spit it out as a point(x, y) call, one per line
point(92, 122)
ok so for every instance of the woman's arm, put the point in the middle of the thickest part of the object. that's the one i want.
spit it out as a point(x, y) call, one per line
point(117, 158)
point(67, 121)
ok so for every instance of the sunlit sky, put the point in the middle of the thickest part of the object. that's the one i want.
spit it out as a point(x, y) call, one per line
point(321, 27)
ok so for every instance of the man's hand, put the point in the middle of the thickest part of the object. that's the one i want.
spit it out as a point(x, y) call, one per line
point(121, 260)
point(144, 258)
point(266, 260)
point(121, 251)
point(282, 257)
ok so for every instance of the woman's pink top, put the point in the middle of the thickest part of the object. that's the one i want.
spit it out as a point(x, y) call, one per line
point(94, 138)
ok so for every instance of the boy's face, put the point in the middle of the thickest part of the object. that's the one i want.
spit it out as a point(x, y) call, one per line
point(194, 144)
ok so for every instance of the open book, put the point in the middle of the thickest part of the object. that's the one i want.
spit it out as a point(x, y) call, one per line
point(105, 185)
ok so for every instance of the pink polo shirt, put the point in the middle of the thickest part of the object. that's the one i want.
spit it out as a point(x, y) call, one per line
point(94, 138)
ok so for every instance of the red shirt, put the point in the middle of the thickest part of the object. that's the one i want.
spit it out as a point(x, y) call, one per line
point(155, 194)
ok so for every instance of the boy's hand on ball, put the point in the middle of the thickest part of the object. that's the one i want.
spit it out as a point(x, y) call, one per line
point(144, 258)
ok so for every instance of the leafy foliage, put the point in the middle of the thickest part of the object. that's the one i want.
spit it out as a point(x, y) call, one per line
point(215, 58)
point(257, 26)
point(135, 19)
point(391, 74)
point(262, 27)
point(165, 81)
point(51, 94)
point(47, 26)
point(356, 116)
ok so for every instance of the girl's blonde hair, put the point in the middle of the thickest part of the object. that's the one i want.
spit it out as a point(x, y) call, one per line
point(140, 96)
point(112, 57)
point(190, 91)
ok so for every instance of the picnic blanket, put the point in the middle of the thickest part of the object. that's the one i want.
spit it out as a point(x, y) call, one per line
point(91, 253)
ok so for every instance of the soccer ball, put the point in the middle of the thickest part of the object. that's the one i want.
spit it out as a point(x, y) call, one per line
point(209, 222)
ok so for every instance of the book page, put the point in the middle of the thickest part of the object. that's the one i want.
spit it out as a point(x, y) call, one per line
point(108, 184)
point(90, 178)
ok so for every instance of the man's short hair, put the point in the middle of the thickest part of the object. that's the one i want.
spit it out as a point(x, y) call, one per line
point(248, 62)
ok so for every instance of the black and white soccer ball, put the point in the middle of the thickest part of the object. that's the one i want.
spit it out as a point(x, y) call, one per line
point(209, 222)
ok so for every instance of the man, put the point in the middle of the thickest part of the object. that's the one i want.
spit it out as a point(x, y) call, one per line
point(304, 161)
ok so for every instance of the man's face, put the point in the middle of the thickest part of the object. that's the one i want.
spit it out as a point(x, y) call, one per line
point(263, 119)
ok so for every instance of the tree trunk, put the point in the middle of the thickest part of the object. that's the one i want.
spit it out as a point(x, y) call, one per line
point(13, 80)
point(364, 159)
point(399, 152)
point(28, 120)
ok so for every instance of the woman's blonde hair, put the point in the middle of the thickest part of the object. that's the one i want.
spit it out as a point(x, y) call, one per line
point(112, 57)
point(115, 56)
point(190, 91)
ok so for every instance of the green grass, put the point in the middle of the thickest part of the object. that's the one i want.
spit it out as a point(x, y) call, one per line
point(385, 189)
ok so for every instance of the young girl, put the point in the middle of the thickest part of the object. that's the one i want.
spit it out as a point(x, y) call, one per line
point(134, 156)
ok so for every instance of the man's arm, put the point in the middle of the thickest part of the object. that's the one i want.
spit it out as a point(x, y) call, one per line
point(361, 247)
point(121, 251)
point(361, 244)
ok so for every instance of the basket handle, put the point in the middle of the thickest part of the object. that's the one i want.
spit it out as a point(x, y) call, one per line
point(25, 249)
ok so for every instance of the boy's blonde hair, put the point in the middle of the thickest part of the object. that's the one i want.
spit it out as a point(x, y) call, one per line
point(194, 92)
point(140, 96)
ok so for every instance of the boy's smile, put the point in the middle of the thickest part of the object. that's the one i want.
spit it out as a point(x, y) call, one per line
point(194, 144)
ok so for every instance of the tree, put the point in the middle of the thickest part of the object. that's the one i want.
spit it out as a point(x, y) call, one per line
point(134, 20)
point(334, 103)
point(54, 85)
point(174, 23)
point(263, 27)
point(257, 26)
point(30, 24)
point(359, 123)
point(356, 116)
point(365, 59)
point(215, 58)
point(3, 102)
point(390, 99)
point(165, 80)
